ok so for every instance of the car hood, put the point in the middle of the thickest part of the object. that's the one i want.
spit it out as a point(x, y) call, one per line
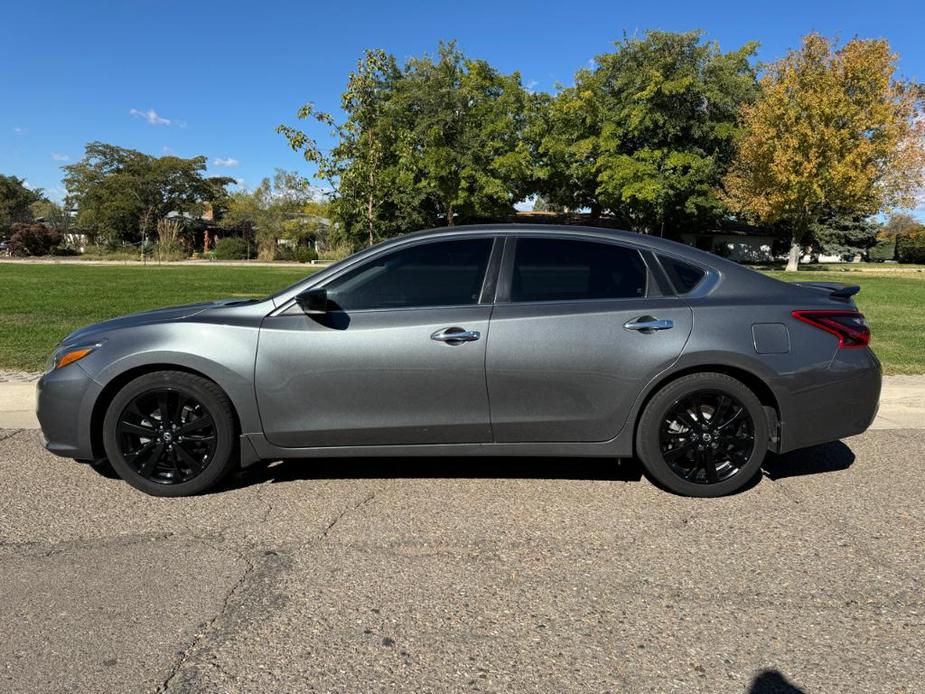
point(160, 315)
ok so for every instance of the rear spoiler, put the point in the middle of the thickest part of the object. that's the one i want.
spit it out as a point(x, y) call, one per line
point(835, 290)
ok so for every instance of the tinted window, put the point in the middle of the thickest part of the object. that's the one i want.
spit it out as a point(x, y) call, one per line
point(684, 277)
point(446, 273)
point(563, 270)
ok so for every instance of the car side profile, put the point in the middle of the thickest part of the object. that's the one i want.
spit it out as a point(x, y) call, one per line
point(504, 340)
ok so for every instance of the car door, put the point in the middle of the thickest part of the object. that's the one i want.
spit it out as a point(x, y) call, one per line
point(576, 332)
point(399, 357)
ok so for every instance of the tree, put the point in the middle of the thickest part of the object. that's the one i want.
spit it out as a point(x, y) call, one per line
point(844, 234)
point(55, 215)
point(648, 132)
point(360, 169)
point(466, 123)
point(122, 193)
point(834, 132)
point(433, 142)
point(16, 202)
point(272, 211)
point(897, 224)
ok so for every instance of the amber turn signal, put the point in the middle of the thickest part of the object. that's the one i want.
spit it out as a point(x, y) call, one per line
point(72, 356)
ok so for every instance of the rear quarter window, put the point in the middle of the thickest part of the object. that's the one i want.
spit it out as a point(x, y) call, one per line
point(683, 276)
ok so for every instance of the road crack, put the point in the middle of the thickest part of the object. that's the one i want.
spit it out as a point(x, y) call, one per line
point(10, 433)
point(348, 509)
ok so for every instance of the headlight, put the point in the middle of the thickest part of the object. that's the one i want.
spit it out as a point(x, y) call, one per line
point(68, 354)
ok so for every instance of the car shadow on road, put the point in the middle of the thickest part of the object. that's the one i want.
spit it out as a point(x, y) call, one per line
point(816, 460)
point(824, 458)
point(602, 469)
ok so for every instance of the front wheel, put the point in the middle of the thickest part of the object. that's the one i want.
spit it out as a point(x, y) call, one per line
point(703, 435)
point(170, 433)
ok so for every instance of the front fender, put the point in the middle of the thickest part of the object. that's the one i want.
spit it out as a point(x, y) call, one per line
point(224, 354)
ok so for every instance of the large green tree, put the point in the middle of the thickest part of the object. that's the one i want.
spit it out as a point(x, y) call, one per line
point(16, 202)
point(436, 141)
point(122, 193)
point(466, 146)
point(647, 133)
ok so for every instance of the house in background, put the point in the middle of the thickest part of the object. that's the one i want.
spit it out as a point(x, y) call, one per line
point(741, 244)
point(753, 245)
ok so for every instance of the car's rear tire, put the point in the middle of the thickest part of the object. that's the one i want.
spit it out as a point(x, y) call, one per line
point(687, 451)
point(170, 433)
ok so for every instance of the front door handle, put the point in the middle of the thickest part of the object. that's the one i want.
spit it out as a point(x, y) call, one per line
point(648, 324)
point(456, 336)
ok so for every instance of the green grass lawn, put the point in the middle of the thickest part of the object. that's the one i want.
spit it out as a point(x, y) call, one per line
point(40, 304)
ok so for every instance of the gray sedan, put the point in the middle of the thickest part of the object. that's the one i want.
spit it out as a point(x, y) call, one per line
point(491, 340)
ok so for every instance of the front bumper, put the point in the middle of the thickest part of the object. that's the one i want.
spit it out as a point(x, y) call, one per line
point(65, 399)
point(841, 401)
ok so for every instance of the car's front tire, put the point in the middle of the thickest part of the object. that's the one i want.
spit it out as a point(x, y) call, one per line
point(704, 434)
point(170, 433)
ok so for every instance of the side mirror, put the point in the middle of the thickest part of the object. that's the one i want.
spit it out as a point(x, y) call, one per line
point(313, 301)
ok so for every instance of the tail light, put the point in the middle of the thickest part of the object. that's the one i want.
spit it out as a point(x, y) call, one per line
point(850, 327)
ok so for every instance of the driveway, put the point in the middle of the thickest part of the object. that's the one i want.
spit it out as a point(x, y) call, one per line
point(458, 575)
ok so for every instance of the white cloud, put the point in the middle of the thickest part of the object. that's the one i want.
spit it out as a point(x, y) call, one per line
point(20, 131)
point(167, 150)
point(228, 163)
point(531, 86)
point(57, 156)
point(151, 116)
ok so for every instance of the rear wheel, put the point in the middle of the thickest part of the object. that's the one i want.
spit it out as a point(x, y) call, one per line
point(703, 435)
point(170, 433)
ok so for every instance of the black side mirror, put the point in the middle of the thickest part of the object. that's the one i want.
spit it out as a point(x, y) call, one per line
point(313, 301)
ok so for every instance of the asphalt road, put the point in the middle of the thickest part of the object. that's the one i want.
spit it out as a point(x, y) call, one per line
point(454, 575)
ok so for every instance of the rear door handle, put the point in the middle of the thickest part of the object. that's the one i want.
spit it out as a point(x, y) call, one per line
point(455, 336)
point(648, 324)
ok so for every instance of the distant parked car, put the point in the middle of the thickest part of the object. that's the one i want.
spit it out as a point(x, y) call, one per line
point(491, 340)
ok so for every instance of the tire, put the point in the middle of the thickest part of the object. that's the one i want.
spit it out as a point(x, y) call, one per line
point(678, 441)
point(187, 452)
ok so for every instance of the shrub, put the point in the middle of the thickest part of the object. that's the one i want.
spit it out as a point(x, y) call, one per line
point(33, 239)
point(910, 245)
point(164, 252)
point(64, 251)
point(883, 250)
point(231, 248)
point(299, 254)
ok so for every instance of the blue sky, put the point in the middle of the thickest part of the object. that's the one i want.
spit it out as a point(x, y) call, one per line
point(216, 78)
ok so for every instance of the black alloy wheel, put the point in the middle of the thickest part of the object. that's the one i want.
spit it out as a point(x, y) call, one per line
point(703, 434)
point(167, 436)
point(171, 433)
point(707, 437)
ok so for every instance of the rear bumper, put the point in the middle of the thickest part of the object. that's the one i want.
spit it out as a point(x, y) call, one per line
point(65, 400)
point(840, 401)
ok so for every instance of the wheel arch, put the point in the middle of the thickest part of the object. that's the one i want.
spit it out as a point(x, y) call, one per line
point(117, 382)
point(750, 379)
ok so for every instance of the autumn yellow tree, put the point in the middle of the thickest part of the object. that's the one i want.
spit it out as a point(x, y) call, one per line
point(833, 132)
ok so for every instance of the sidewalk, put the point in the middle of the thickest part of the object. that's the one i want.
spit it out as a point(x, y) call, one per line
point(203, 262)
point(902, 402)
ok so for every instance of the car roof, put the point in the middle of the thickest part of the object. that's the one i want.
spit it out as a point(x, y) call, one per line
point(631, 237)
